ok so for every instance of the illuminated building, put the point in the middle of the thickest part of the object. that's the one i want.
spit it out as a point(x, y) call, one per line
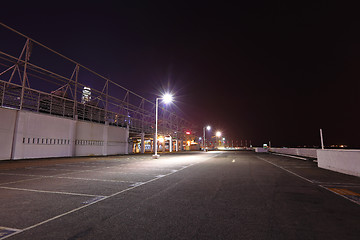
point(86, 95)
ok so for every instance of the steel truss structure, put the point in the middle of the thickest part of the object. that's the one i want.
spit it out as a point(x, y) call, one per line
point(56, 94)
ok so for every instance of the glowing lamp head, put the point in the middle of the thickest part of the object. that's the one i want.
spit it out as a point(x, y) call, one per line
point(218, 134)
point(208, 128)
point(167, 98)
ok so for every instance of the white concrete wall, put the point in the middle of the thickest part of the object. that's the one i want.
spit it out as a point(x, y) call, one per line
point(117, 140)
point(260, 149)
point(306, 152)
point(42, 135)
point(32, 135)
point(100, 139)
point(7, 125)
point(343, 161)
point(90, 139)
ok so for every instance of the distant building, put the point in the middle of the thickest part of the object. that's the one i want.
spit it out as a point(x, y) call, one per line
point(86, 95)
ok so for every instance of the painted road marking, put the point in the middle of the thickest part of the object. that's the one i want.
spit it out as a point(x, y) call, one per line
point(6, 232)
point(146, 168)
point(308, 180)
point(343, 191)
point(58, 176)
point(54, 169)
point(26, 175)
point(124, 173)
point(285, 155)
point(47, 176)
point(340, 184)
point(41, 191)
point(20, 181)
point(95, 179)
point(95, 199)
point(160, 176)
point(352, 196)
point(136, 184)
point(112, 195)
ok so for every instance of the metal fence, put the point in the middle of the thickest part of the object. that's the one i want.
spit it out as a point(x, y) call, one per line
point(54, 93)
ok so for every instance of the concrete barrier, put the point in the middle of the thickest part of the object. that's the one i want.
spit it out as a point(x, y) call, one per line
point(25, 134)
point(343, 161)
point(261, 150)
point(305, 152)
point(7, 126)
point(41, 135)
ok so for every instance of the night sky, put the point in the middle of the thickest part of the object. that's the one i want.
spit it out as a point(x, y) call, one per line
point(258, 70)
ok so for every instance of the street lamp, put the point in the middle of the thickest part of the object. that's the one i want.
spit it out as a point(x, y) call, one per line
point(167, 98)
point(204, 142)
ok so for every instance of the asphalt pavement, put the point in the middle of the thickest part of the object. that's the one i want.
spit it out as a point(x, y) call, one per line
point(193, 195)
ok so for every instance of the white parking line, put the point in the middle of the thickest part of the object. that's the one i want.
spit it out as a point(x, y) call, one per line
point(37, 177)
point(146, 168)
point(106, 197)
point(5, 231)
point(341, 195)
point(24, 180)
point(13, 229)
point(291, 156)
point(313, 182)
point(53, 169)
point(308, 180)
point(96, 179)
point(125, 173)
point(20, 174)
point(55, 192)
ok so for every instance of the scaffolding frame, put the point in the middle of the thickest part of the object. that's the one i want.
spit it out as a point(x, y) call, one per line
point(113, 105)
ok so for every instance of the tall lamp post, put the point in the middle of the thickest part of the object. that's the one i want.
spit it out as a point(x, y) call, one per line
point(167, 98)
point(204, 142)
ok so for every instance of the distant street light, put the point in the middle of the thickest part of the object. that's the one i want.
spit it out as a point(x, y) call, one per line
point(218, 135)
point(167, 98)
point(204, 142)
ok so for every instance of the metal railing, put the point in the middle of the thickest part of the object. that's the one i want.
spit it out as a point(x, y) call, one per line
point(54, 93)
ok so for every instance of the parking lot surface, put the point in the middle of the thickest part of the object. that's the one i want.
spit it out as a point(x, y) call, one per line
point(196, 195)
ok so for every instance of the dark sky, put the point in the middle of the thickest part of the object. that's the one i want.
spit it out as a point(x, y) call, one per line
point(258, 70)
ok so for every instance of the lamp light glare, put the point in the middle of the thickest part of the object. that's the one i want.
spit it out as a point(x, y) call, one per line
point(218, 134)
point(208, 128)
point(167, 98)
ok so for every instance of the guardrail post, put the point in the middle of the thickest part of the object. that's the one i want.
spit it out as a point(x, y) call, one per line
point(3, 95)
point(75, 92)
point(107, 100)
point(27, 56)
